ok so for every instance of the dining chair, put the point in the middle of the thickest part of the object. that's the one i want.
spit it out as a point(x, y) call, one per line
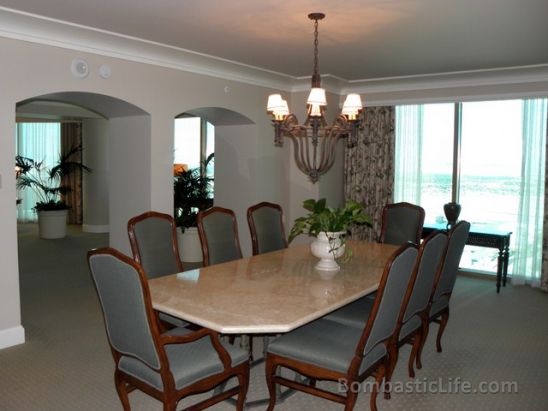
point(409, 327)
point(328, 350)
point(409, 330)
point(218, 232)
point(167, 366)
point(153, 240)
point(401, 222)
point(266, 225)
point(438, 310)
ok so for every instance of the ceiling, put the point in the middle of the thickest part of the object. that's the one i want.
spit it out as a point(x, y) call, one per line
point(359, 39)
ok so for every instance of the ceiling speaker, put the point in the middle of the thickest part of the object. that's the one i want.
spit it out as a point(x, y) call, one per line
point(79, 68)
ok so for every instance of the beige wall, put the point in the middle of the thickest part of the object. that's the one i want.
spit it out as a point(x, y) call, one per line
point(140, 148)
point(96, 184)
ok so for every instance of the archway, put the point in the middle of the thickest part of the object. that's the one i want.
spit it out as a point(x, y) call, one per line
point(235, 150)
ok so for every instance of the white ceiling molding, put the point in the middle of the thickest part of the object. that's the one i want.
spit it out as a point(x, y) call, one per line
point(42, 30)
point(38, 29)
point(492, 77)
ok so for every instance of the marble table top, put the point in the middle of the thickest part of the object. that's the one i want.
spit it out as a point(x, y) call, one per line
point(269, 293)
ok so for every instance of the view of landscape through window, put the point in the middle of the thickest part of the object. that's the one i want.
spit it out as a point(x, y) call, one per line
point(490, 172)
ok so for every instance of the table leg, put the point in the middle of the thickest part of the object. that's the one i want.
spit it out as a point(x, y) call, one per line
point(500, 265)
point(505, 268)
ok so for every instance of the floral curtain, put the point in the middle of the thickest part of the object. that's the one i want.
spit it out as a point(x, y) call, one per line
point(71, 136)
point(369, 167)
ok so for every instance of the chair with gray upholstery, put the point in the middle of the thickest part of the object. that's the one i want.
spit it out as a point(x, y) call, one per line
point(218, 232)
point(266, 227)
point(153, 239)
point(430, 259)
point(168, 366)
point(328, 350)
point(410, 324)
point(401, 222)
point(445, 281)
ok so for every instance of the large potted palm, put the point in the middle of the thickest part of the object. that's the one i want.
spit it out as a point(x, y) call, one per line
point(193, 192)
point(49, 185)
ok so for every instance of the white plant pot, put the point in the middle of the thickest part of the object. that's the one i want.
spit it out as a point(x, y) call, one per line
point(52, 224)
point(327, 248)
point(190, 249)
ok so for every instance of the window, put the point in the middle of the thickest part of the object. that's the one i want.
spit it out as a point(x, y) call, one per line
point(41, 142)
point(489, 157)
point(194, 143)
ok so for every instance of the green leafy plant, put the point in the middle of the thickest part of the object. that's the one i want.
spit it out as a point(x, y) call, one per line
point(48, 183)
point(324, 219)
point(192, 192)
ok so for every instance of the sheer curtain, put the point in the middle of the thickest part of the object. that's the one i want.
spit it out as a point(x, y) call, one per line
point(409, 132)
point(529, 235)
point(39, 141)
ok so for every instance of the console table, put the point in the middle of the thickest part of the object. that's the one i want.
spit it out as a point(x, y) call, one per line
point(484, 237)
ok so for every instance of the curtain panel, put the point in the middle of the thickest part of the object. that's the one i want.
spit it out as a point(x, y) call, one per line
point(71, 136)
point(369, 167)
point(544, 269)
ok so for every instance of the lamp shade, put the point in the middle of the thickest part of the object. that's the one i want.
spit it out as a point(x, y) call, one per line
point(352, 103)
point(274, 102)
point(317, 97)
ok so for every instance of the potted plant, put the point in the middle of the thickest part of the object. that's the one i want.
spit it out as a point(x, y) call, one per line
point(49, 184)
point(193, 191)
point(329, 226)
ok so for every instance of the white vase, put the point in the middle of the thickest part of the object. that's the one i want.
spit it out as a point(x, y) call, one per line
point(52, 224)
point(327, 247)
point(190, 248)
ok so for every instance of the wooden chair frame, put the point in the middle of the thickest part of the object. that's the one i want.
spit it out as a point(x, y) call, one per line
point(135, 243)
point(441, 317)
point(253, 229)
point(403, 204)
point(352, 376)
point(203, 237)
point(170, 396)
point(416, 337)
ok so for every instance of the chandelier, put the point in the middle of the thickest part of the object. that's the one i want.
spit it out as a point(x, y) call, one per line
point(315, 142)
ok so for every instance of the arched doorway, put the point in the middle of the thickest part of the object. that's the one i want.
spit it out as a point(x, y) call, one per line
point(232, 187)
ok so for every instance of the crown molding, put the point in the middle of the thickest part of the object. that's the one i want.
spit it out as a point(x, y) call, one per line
point(33, 28)
point(472, 78)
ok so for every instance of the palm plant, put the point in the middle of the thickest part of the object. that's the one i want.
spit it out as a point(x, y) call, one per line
point(48, 183)
point(192, 193)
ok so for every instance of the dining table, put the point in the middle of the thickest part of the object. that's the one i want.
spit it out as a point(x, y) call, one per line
point(269, 293)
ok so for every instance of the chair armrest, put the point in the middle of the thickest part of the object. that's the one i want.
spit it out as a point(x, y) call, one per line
point(223, 354)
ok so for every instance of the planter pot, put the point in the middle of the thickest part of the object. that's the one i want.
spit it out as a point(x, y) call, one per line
point(190, 248)
point(52, 224)
point(327, 248)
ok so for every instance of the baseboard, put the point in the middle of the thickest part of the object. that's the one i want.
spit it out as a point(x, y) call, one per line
point(91, 228)
point(12, 336)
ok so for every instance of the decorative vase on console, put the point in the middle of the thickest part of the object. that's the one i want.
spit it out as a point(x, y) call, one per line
point(452, 212)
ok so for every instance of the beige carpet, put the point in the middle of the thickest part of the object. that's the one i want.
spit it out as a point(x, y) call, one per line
point(66, 363)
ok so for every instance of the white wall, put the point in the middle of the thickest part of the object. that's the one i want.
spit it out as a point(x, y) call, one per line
point(140, 148)
point(96, 183)
point(235, 170)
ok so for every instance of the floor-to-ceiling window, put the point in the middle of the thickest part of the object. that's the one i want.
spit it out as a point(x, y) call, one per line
point(478, 154)
point(40, 142)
